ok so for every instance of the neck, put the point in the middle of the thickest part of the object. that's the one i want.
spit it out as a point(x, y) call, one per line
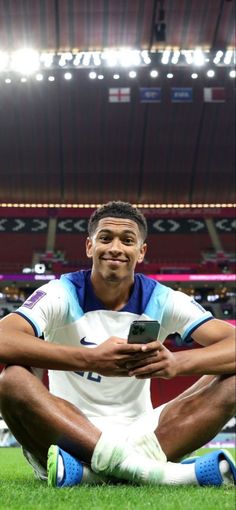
point(113, 294)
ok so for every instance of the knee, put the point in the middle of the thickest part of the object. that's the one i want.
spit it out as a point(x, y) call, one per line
point(12, 383)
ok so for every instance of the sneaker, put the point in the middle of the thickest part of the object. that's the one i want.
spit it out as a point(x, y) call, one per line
point(208, 468)
point(74, 471)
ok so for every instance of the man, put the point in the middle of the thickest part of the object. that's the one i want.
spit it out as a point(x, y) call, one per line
point(98, 415)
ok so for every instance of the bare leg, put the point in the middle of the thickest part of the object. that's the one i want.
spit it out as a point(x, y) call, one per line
point(38, 419)
point(193, 418)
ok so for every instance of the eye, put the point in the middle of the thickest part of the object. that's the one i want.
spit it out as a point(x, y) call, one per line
point(129, 241)
point(104, 238)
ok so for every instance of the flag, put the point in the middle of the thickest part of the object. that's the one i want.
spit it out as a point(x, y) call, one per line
point(119, 95)
point(181, 94)
point(150, 94)
point(214, 95)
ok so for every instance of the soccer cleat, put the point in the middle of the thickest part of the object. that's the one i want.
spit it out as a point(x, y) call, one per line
point(75, 472)
point(207, 468)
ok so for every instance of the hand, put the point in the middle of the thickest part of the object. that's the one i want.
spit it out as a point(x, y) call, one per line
point(112, 357)
point(158, 362)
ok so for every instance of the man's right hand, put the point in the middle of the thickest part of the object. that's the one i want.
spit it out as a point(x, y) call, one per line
point(111, 357)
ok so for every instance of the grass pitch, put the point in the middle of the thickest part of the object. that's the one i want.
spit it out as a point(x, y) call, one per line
point(20, 491)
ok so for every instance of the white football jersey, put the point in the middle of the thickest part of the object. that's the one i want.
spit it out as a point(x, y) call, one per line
point(67, 312)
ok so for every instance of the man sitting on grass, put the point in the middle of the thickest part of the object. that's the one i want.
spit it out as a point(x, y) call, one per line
point(97, 420)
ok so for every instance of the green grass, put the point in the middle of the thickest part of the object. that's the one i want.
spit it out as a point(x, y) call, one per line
point(20, 491)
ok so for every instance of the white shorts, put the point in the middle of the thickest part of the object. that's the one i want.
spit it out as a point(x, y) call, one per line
point(146, 423)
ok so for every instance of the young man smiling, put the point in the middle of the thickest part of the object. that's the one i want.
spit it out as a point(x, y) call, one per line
point(97, 414)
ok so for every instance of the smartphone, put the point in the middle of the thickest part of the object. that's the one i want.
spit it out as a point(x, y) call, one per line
point(143, 332)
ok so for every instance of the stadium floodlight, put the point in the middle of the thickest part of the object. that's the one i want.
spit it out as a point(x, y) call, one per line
point(78, 58)
point(67, 76)
point(8, 80)
point(166, 57)
point(175, 57)
point(188, 54)
point(194, 76)
point(39, 77)
point(210, 73)
point(87, 58)
point(198, 57)
point(92, 75)
point(132, 74)
point(47, 59)
point(100, 77)
point(51, 78)
point(228, 57)
point(4, 58)
point(232, 73)
point(96, 58)
point(127, 57)
point(23, 79)
point(110, 57)
point(116, 76)
point(170, 76)
point(153, 73)
point(25, 61)
point(145, 56)
point(218, 57)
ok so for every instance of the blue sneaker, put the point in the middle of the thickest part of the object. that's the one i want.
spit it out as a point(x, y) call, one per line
point(75, 472)
point(73, 469)
point(207, 467)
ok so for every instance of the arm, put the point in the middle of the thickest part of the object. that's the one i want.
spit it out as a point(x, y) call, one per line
point(19, 346)
point(218, 355)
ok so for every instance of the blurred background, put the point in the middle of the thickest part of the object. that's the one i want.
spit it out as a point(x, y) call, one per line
point(119, 100)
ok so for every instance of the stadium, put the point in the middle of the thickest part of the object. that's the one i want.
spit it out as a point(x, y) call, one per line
point(114, 100)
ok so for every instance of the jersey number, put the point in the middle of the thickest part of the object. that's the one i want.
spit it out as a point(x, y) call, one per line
point(91, 376)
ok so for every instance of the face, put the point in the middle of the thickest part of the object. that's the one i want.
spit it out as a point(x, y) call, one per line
point(115, 247)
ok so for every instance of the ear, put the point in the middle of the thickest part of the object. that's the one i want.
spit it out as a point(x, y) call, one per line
point(142, 253)
point(89, 248)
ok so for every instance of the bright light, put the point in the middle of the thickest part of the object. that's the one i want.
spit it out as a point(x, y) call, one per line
point(67, 76)
point(232, 73)
point(47, 59)
point(132, 74)
point(153, 73)
point(165, 57)
point(228, 57)
point(210, 73)
point(96, 58)
point(100, 77)
point(116, 76)
point(3, 60)
point(111, 57)
point(92, 75)
point(8, 80)
point(145, 56)
point(25, 61)
point(175, 57)
point(198, 57)
point(23, 79)
point(188, 56)
point(87, 58)
point(51, 78)
point(194, 76)
point(218, 57)
point(77, 59)
point(39, 77)
point(170, 75)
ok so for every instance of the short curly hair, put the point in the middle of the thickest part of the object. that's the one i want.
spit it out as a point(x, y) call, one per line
point(118, 209)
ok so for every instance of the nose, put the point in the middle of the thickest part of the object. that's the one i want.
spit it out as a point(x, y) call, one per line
point(115, 245)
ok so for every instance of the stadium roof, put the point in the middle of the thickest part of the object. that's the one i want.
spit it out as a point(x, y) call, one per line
point(64, 141)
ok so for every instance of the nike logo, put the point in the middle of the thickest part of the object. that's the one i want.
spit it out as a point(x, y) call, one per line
point(84, 342)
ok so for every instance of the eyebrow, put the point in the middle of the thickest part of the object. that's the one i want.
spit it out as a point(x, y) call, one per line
point(109, 231)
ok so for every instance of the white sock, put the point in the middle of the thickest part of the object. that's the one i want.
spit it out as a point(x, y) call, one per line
point(179, 474)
